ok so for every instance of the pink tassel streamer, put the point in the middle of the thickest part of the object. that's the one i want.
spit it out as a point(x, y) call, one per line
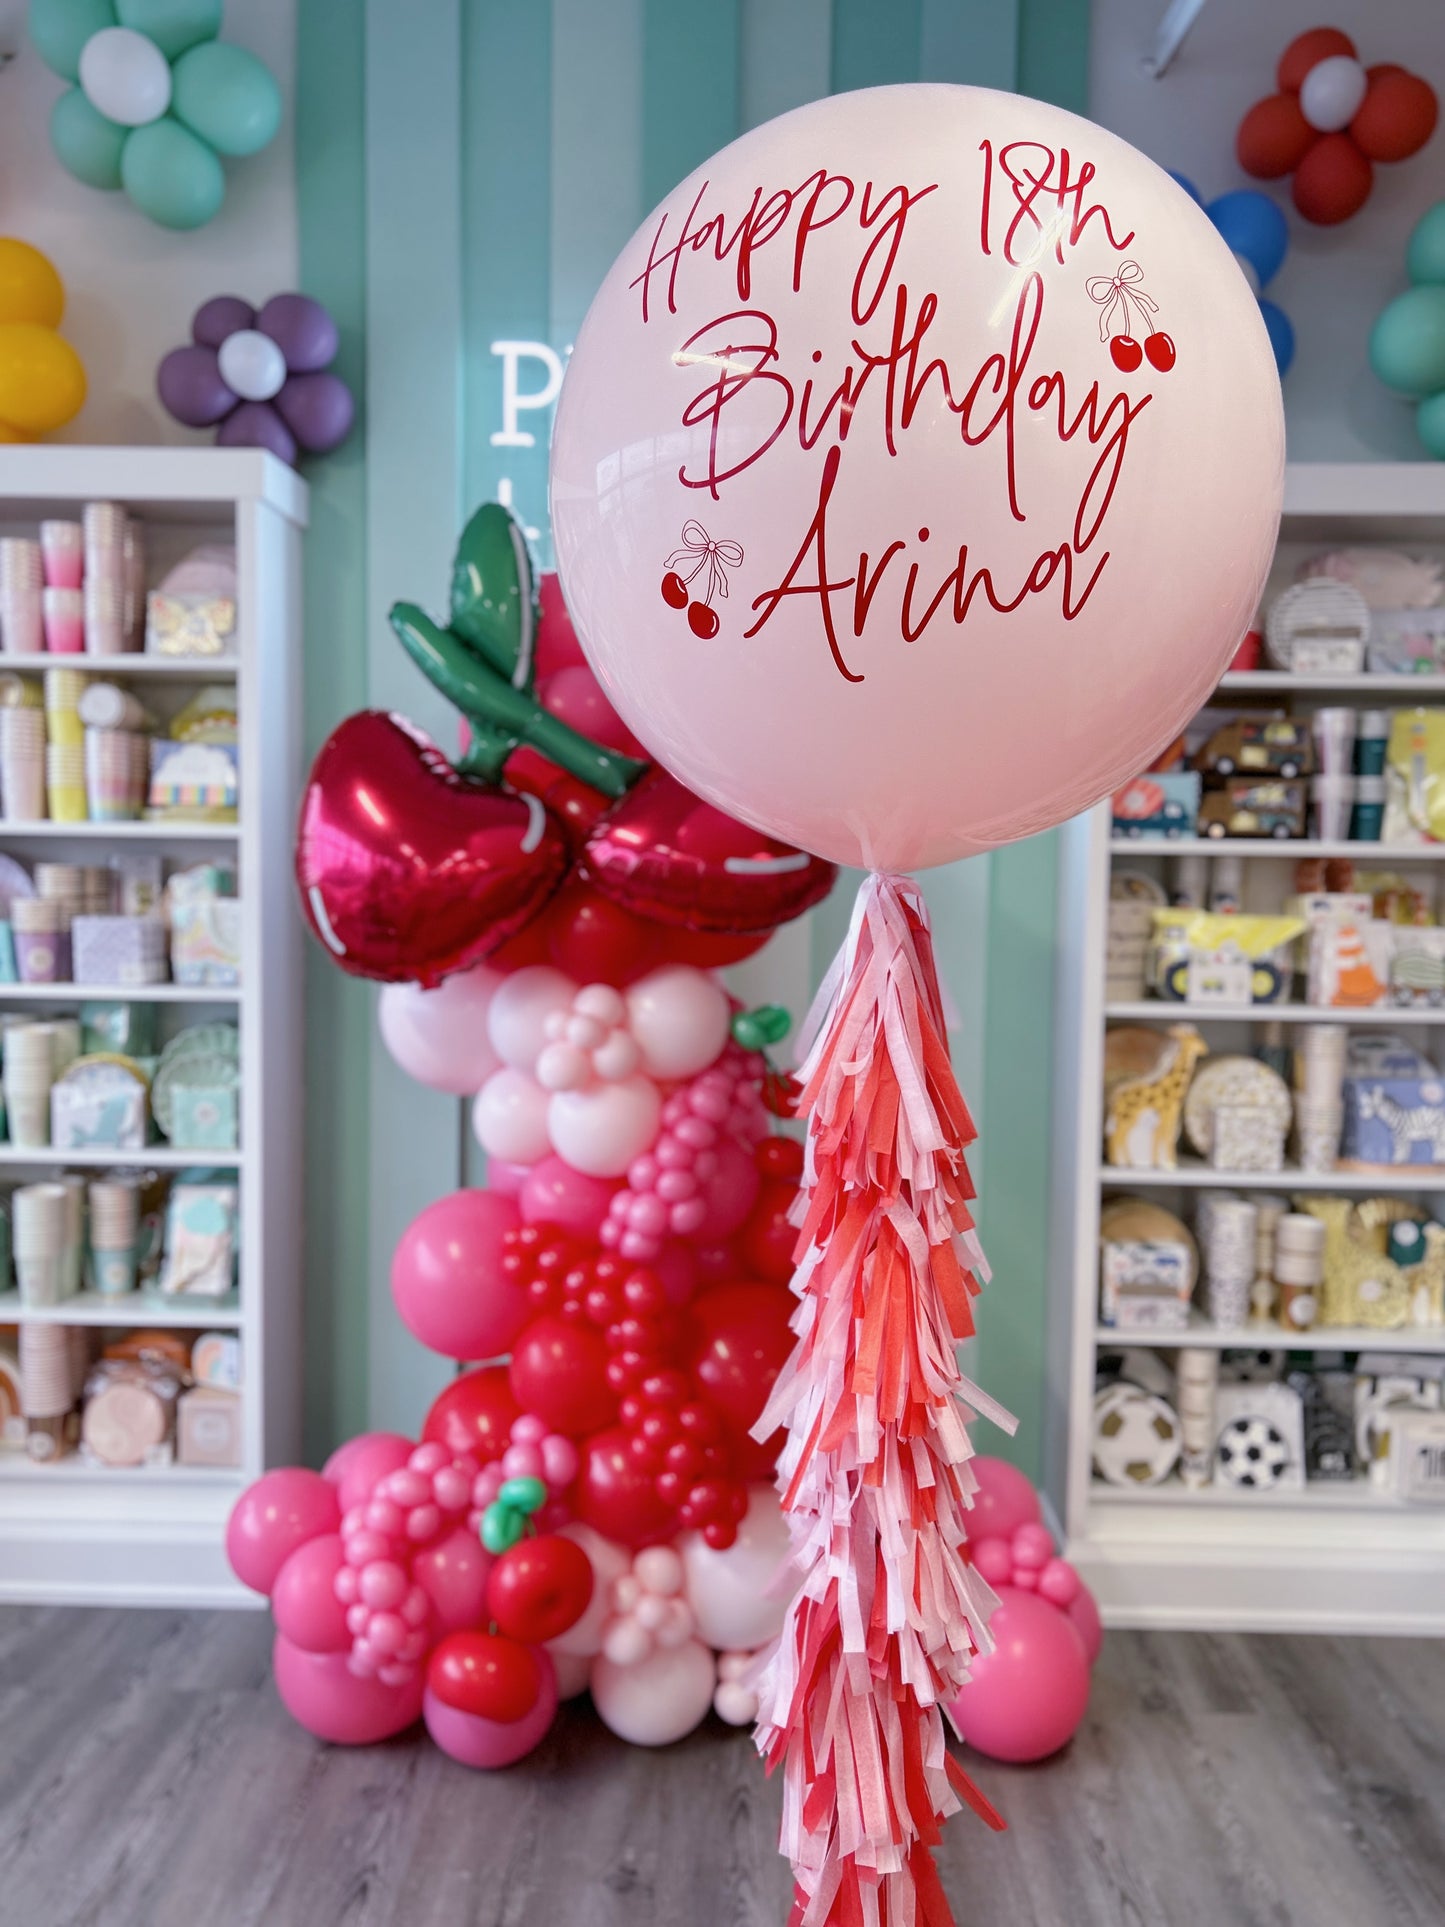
point(875, 1474)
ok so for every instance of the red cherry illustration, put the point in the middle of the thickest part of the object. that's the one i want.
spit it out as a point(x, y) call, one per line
point(702, 621)
point(674, 590)
point(1126, 352)
point(1160, 350)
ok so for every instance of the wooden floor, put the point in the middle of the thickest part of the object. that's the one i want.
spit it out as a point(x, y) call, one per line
point(148, 1778)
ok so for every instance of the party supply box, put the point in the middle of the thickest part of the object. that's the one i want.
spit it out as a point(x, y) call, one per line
point(1144, 1284)
point(1394, 1104)
point(1157, 805)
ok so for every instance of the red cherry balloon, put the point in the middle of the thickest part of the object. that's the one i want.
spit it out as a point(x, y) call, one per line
point(664, 853)
point(574, 805)
point(559, 1372)
point(474, 1414)
point(540, 1588)
point(1160, 349)
point(674, 590)
point(766, 1241)
point(407, 871)
point(702, 621)
point(1126, 353)
point(488, 1674)
point(741, 1341)
point(617, 1496)
point(596, 941)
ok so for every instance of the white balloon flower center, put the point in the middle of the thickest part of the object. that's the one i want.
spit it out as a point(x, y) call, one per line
point(125, 76)
point(252, 366)
point(1331, 92)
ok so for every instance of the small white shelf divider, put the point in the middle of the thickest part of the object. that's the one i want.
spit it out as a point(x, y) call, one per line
point(1336, 1558)
point(71, 1532)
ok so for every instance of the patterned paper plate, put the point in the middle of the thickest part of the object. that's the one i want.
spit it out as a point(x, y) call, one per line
point(1240, 1081)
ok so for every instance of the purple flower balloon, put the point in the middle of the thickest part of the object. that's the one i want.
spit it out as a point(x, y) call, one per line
point(263, 377)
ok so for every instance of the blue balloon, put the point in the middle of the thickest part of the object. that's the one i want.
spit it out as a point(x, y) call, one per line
point(1189, 188)
point(1278, 327)
point(1252, 225)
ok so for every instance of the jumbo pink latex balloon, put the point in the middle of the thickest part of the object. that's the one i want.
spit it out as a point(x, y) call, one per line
point(475, 1741)
point(439, 1036)
point(658, 1699)
point(1004, 1501)
point(280, 1512)
point(453, 1575)
point(1083, 1610)
point(303, 1599)
point(321, 1694)
point(359, 1465)
point(1025, 1699)
point(447, 1278)
point(916, 472)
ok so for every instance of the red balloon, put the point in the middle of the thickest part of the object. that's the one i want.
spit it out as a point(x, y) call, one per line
point(474, 1414)
point(1307, 50)
point(488, 1674)
point(1273, 138)
point(741, 1342)
point(1397, 115)
point(407, 871)
point(556, 645)
point(704, 951)
point(529, 946)
point(447, 1278)
point(664, 853)
point(540, 1588)
point(574, 805)
point(766, 1241)
point(596, 941)
point(559, 1372)
point(575, 695)
point(1333, 181)
point(617, 1497)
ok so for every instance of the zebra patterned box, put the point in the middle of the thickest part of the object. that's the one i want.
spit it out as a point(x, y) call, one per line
point(1394, 1105)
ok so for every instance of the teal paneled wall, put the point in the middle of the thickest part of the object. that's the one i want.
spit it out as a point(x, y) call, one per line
point(468, 171)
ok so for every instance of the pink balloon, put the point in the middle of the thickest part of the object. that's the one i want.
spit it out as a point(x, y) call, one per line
point(359, 1466)
point(553, 1193)
point(473, 1741)
point(1025, 1699)
point(557, 644)
point(447, 1278)
point(729, 1194)
point(439, 1036)
point(975, 542)
point(506, 1178)
point(573, 1674)
point(658, 1699)
point(1083, 1610)
point(323, 1695)
point(280, 1512)
point(303, 1599)
point(575, 696)
point(1005, 1500)
point(453, 1575)
point(993, 1559)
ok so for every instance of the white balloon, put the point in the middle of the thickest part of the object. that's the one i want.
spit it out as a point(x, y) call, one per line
point(125, 76)
point(573, 1671)
point(1331, 92)
point(252, 365)
point(584, 1638)
point(599, 1132)
point(734, 1703)
point(518, 1016)
point(439, 1036)
point(659, 1699)
point(509, 1117)
point(732, 1592)
point(679, 1017)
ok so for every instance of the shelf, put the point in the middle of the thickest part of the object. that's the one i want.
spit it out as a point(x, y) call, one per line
point(1295, 846)
point(1161, 1010)
point(74, 1470)
point(1347, 1495)
point(127, 994)
point(1200, 1335)
point(1195, 1176)
point(156, 1157)
point(160, 668)
point(120, 832)
point(1272, 680)
point(128, 1308)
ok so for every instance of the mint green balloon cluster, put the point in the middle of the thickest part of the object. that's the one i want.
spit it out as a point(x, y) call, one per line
point(156, 100)
point(1407, 343)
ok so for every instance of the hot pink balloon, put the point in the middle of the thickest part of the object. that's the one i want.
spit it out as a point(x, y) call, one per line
point(506, 1178)
point(1083, 1610)
point(357, 1467)
point(1026, 1698)
point(303, 1599)
point(439, 1036)
point(1005, 1500)
point(453, 1575)
point(575, 696)
point(474, 1741)
point(323, 1695)
point(553, 1193)
point(447, 1278)
point(730, 1193)
point(280, 1512)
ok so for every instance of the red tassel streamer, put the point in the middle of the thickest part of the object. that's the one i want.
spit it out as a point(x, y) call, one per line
point(876, 1475)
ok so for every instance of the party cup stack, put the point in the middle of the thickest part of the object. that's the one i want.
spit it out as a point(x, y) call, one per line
point(22, 763)
point(40, 1218)
point(65, 754)
point(1319, 1105)
point(22, 630)
point(106, 579)
point(47, 1387)
point(29, 1074)
point(114, 1225)
point(1229, 1254)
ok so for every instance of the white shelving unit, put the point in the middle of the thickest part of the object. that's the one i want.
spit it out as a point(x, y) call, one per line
point(1331, 1557)
point(71, 1532)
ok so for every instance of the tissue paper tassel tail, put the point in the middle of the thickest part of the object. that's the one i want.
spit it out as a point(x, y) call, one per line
point(875, 1473)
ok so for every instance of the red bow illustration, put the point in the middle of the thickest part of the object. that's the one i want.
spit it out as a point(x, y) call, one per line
point(1119, 294)
point(717, 558)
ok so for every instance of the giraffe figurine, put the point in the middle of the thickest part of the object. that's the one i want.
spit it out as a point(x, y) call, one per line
point(1144, 1095)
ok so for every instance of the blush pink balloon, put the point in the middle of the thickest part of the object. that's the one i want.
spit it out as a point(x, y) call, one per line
point(357, 1467)
point(575, 696)
point(729, 1194)
point(447, 1278)
point(1026, 1698)
point(439, 1036)
point(506, 1178)
point(553, 1193)
point(453, 1575)
point(1004, 1501)
point(557, 644)
point(303, 1599)
point(474, 1741)
point(320, 1693)
point(280, 1512)
point(1083, 1610)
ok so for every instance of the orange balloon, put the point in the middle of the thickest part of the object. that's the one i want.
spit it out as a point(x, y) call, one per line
point(1273, 137)
point(1397, 115)
point(1333, 181)
point(42, 382)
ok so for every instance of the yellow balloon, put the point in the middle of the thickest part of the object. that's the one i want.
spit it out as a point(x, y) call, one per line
point(42, 382)
point(9, 434)
point(30, 289)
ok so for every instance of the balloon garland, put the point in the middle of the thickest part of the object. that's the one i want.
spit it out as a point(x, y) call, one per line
point(42, 380)
point(1407, 342)
point(260, 379)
